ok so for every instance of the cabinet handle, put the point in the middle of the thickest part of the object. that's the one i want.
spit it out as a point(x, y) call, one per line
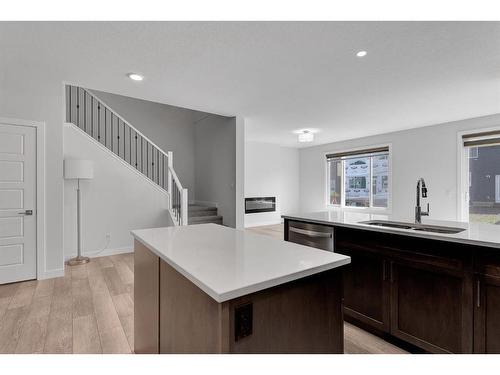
point(311, 233)
point(478, 293)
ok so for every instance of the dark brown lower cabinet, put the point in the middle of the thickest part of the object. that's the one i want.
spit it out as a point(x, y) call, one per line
point(440, 296)
point(417, 290)
point(366, 296)
point(431, 308)
point(487, 314)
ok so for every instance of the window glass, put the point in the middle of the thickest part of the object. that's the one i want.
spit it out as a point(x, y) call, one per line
point(380, 180)
point(484, 184)
point(359, 181)
point(357, 191)
point(335, 196)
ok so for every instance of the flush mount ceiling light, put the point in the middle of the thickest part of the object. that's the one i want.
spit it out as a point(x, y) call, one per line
point(135, 77)
point(306, 136)
point(361, 53)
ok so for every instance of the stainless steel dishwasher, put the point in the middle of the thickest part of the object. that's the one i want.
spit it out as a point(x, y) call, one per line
point(314, 235)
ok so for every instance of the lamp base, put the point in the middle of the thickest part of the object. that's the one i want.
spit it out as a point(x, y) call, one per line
point(78, 260)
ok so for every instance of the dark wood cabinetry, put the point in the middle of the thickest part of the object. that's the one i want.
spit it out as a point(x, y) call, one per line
point(431, 308)
point(487, 303)
point(365, 291)
point(440, 296)
point(422, 288)
point(487, 315)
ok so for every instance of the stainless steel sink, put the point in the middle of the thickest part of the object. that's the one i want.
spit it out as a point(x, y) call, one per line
point(438, 229)
point(412, 226)
point(390, 224)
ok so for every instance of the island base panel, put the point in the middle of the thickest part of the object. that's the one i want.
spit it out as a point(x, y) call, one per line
point(146, 303)
point(303, 316)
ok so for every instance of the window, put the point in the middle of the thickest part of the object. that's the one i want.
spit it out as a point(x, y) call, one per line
point(359, 178)
point(481, 180)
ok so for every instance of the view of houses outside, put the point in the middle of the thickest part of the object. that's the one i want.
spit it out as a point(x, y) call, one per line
point(361, 180)
point(484, 184)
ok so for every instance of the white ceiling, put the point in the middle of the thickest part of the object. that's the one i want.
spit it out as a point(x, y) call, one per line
point(281, 76)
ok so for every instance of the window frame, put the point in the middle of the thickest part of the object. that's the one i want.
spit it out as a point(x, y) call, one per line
point(463, 172)
point(381, 210)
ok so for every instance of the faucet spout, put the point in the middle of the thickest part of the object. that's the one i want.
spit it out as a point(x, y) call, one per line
point(421, 192)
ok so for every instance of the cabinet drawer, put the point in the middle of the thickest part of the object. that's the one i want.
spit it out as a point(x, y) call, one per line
point(487, 262)
point(440, 254)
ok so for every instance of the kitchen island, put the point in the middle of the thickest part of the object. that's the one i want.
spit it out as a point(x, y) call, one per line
point(212, 289)
point(412, 283)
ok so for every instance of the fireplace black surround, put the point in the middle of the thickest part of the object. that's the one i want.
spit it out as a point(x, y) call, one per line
point(260, 204)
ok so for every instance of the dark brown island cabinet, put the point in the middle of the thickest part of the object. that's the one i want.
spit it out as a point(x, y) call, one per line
point(439, 296)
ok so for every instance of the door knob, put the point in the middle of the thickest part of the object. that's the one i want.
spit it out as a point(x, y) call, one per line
point(27, 213)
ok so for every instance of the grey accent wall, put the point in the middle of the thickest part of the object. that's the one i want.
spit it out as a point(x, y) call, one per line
point(215, 158)
point(170, 128)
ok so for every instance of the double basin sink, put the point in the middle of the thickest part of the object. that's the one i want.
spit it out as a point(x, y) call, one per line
point(412, 226)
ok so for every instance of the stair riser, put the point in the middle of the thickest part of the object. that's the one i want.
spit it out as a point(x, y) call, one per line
point(215, 221)
point(202, 213)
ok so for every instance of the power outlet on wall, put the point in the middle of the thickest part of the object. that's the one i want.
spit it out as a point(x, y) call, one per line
point(108, 237)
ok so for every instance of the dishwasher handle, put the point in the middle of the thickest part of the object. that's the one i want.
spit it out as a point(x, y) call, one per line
point(311, 233)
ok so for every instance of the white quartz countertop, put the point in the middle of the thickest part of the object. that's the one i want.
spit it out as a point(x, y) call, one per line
point(227, 263)
point(479, 234)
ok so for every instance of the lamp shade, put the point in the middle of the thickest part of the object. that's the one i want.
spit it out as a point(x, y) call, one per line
point(78, 169)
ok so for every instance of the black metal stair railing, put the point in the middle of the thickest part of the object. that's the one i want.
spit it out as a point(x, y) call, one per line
point(90, 114)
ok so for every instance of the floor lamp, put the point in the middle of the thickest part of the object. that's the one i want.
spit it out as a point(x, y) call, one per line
point(78, 170)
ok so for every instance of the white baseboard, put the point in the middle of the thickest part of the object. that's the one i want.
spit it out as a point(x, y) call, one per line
point(51, 274)
point(104, 253)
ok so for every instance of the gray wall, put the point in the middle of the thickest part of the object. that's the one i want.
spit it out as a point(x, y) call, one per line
point(170, 128)
point(430, 152)
point(215, 157)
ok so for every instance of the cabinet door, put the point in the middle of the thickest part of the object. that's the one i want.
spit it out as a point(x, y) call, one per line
point(431, 308)
point(487, 314)
point(366, 293)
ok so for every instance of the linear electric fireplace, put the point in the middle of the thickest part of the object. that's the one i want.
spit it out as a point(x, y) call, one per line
point(260, 204)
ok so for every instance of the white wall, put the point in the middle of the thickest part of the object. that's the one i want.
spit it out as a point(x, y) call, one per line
point(215, 157)
point(429, 152)
point(170, 128)
point(39, 97)
point(117, 200)
point(271, 170)
point(240, 172)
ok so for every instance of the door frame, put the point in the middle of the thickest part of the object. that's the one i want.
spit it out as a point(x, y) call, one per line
point(40, 189)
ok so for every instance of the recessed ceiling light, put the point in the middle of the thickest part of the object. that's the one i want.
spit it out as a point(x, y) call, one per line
point(135, 77)
point(361, 53)
point(306, 136)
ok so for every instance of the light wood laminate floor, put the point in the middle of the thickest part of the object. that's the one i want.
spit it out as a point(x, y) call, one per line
point(91, 310)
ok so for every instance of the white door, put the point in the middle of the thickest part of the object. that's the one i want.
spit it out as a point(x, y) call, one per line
point(497, 188)
point(17, 198)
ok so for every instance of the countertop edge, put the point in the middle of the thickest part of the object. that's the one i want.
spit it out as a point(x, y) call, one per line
point(404, 232)
point(226, 296)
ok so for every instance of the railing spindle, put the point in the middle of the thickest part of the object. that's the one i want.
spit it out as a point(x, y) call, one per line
point(149, 159)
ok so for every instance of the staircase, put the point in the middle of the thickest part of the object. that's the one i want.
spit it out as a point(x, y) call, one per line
point(203, 214)
point(91, 115)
